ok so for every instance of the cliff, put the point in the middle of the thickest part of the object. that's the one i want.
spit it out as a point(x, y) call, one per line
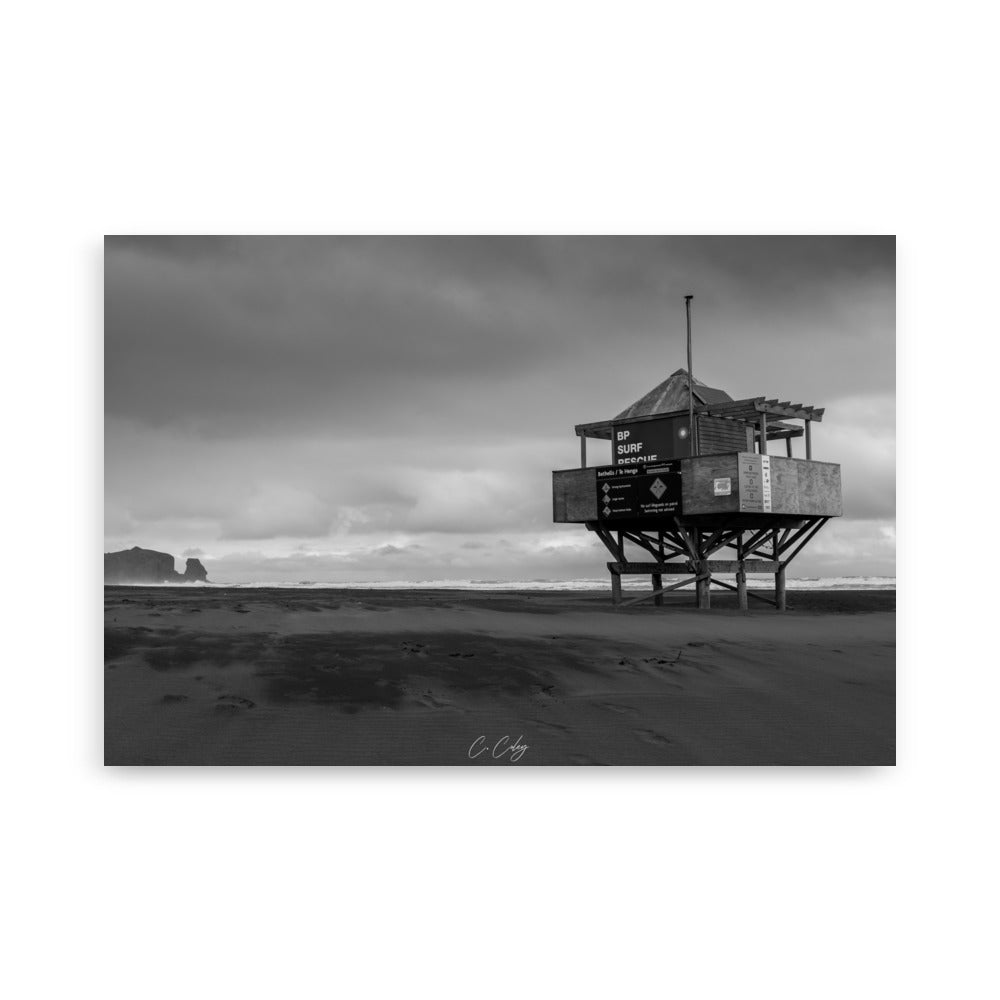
point(137, 565)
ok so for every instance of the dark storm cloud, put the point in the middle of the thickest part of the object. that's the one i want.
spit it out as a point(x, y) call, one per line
point(260, 335)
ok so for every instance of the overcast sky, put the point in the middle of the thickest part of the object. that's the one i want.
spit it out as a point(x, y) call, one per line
point(391, 408)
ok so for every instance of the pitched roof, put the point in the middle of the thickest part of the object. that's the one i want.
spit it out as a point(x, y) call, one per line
point(671, 395)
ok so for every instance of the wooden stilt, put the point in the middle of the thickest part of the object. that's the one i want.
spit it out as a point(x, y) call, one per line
point(764, 550)
point(704, 586)
point(741, 574)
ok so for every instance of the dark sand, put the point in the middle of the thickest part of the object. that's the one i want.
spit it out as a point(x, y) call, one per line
point(209, 676)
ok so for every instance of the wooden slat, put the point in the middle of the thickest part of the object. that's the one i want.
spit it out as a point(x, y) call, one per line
point(656, 593)
point(574, 495)
point(805, 541)
point(676, 568)
point(749, 593)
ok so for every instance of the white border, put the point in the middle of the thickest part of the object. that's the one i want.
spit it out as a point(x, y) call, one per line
point(521, 118)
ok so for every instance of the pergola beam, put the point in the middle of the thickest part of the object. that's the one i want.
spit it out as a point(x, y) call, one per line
point(748, 410)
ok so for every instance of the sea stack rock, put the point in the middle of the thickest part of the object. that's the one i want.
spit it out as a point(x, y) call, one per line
point(195, 572)
point(137, 565)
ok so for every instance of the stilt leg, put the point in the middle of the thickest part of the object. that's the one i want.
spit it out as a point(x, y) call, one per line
point(704, 589)
point(657, 583)
point(616, 588)
point(741, 588)
point(779, 588)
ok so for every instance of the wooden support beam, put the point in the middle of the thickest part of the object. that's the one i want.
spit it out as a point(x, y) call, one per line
point(609, 543)
point(709, 547)
point(805, 541)
point(704, 586)
point(616, 588)
point(760, 597)
point(652, 546)
point(749, 593)
point(755, 539)
point(779, 589)
point(786, 543)
point(809, 446)
point(675, 568)
point(741, 589)
point(657, 589)
point(788, 446)
point(655, 593)
point(763, 433)
point(689, 543)
point(583, 451)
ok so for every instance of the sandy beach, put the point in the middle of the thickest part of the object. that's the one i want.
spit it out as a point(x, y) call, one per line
point(212, 676)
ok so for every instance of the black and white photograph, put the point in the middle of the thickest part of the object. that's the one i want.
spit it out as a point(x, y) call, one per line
point(499, 500)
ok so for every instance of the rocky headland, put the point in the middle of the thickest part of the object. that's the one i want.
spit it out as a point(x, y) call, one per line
point(137, 565)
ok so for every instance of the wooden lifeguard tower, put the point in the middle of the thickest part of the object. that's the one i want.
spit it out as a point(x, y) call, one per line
point(692, 476)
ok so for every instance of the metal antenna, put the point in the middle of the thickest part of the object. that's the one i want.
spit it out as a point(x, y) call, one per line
point(687, 306)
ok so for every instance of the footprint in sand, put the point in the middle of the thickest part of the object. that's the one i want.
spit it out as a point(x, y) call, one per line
point(429, 700)
point(653, 738)
point(413, 648)
point(169, 699)
point(620, 709)
point(232, 703)
point(551, 727)
point(660, 661)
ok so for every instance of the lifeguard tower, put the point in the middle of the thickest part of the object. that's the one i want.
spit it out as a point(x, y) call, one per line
point(693, 474)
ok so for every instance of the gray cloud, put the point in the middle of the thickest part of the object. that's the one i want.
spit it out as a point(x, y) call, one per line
point(355, 393)
point(367, 335)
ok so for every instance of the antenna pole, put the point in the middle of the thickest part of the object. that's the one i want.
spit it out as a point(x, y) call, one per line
point(687, 306)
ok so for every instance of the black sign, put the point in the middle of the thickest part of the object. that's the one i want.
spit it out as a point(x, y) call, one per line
point(650, 440)
point(635, 491)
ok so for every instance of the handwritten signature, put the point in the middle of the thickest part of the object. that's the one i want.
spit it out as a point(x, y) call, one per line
point(516, 750)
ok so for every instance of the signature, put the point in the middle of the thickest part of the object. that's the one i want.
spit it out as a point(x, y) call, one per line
point(516, 750)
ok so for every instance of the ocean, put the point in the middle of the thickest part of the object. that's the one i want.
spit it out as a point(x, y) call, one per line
point(754, 582)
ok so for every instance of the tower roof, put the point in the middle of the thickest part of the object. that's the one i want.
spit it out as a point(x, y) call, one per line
point(671, 395)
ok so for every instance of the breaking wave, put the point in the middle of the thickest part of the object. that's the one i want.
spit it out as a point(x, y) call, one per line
point(761, 582)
